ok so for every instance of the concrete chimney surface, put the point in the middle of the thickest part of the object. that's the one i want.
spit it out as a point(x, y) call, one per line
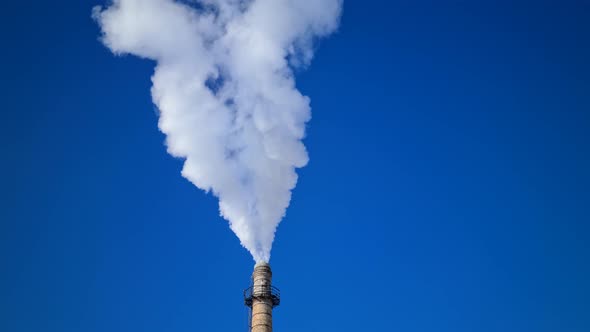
point(262, 301)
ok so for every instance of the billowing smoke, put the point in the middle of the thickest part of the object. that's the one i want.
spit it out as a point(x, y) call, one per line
point(225, 90)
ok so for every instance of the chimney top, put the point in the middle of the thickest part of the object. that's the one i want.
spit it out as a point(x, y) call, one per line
point(261, 264)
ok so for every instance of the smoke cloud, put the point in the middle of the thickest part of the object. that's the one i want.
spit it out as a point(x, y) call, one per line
point(225, 89)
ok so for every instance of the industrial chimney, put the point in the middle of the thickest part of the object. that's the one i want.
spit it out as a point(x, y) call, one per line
point(261, 297)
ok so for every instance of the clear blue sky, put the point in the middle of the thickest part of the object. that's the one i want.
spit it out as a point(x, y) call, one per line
point(448, 187)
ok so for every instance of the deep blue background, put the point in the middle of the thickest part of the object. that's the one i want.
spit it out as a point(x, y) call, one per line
point(448, 188)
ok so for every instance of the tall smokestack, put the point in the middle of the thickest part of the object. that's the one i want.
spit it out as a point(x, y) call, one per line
point(261, 297)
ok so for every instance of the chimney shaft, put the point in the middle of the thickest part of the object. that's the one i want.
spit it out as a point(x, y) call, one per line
point(261, 297)
point(261, 304)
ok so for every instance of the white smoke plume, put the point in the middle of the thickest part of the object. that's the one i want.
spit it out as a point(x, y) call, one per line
point(226, 93)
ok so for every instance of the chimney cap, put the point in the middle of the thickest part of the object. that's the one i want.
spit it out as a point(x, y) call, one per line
point(261, 264)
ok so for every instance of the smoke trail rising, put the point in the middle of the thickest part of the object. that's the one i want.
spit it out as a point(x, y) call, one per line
point(226, 93)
